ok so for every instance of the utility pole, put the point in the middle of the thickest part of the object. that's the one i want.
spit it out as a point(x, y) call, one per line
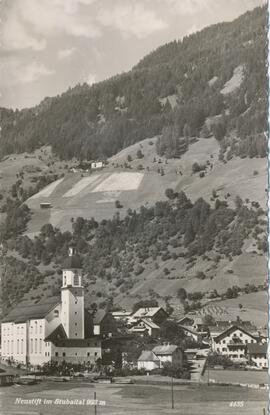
point(95, 398)
point(172, 393)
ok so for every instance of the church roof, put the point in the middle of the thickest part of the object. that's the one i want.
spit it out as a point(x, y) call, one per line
point(93, 341)
point(57, 334)
point(24, 312)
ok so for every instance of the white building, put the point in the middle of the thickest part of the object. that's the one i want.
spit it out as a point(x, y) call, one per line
point(97, 165)
point(257, 355)
point(169, 353)
point(148, 361)
point(56, 329)
point(233, 342)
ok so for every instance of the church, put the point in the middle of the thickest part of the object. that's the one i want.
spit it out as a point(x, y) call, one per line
point(57, 329)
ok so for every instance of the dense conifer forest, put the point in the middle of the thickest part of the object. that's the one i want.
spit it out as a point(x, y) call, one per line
point(171, 93)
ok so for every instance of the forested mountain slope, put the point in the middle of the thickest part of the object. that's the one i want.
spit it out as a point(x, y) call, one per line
point(213, 81)
point(164, 213)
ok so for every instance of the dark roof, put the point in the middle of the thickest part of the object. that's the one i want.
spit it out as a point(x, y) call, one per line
point(148, 312)
point(255, 348)
point(99, 316)
point(57, 334)
point(231, 330)
point(22, 312)
point(90, 342)
point(167, 349)
point(148, 356)
point(72, 262)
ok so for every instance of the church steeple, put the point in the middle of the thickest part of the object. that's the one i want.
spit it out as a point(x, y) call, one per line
point(72, 295)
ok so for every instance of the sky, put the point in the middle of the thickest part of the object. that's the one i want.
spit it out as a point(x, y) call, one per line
point(47, 46)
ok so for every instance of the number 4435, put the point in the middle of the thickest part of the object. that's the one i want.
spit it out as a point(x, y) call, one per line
point(236, 404)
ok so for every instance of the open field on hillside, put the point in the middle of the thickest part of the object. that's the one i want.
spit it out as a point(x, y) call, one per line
point(255, 306)
point(121, 182)
point(47, 191)
point(93, 195)
point(134, 399)
point(252, 269)
point(80, 185)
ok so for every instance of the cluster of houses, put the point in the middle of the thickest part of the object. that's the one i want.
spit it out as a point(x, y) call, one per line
point(144, 321)
point(238, 340)
point(62, 329)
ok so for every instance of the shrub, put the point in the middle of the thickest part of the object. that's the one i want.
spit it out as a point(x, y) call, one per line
point(118, 204)
point(176, 370)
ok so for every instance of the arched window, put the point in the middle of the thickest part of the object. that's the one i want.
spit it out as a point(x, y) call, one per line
point(76, 279)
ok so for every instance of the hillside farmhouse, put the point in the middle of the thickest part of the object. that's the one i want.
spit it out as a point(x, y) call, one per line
point(58, 329)
point(95, 165)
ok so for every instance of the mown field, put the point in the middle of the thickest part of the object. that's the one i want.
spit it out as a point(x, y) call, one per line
point(135, 399)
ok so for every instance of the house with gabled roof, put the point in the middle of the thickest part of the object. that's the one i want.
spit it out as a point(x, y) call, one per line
point(169, 353)
point(145, 326)
point(160, 355)
point(233, 342)
point(157, 314)
point(58, 329)
point(148, 361)
point(104, 323)
point(257, 355)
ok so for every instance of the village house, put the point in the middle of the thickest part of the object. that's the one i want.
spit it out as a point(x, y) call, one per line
point(121, 315)
point(169, 353)
point(104, 324)
point(193, 327)
point(145, 327)
point(257, 355)
point(232, 342)
point(194, 323)
point(192, 334)
point(160, 355)
point(58, 329)
point(148, 361)
point(186, 321)
point(156, 314)
point(221, 325)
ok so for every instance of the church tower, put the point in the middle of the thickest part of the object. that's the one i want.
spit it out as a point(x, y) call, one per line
point(72, 297)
